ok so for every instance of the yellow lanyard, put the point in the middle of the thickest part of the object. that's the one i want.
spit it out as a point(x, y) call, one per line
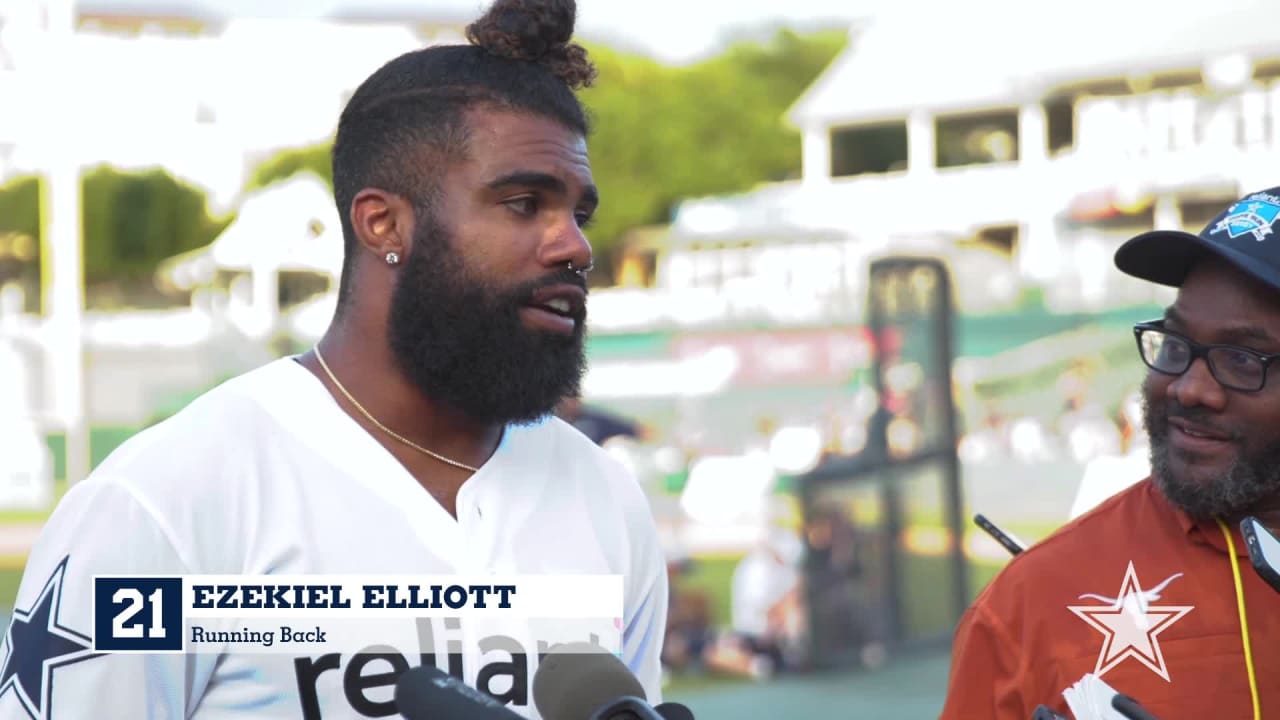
point(1244, 619)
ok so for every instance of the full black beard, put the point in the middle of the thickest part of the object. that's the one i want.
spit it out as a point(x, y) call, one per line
point(1250, 479)
point(460, 338)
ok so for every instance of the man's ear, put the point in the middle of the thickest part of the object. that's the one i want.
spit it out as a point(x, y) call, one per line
point(383, 221)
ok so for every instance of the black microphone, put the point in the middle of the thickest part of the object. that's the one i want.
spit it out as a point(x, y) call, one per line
point(428, 693)
point(674, 711)
point(1130, 708)
point(1264, 550)
point(1014, 546)
point(582, 681)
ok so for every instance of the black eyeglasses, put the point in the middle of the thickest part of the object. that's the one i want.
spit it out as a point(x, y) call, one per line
point(1232, 366)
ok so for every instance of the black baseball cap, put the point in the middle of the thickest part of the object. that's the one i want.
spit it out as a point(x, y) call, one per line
point(1245, 234)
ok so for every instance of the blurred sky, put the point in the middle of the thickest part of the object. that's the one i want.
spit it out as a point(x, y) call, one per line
point(674, 31)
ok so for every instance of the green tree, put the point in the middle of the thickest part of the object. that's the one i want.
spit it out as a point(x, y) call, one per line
point(661, 134)
point(287, 163)
point(20, 235)
point(131, 222)
point(20, 206)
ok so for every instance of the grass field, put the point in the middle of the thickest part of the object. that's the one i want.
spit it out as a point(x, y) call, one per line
point(10, 577)
point(909, 688)
point(926, 610)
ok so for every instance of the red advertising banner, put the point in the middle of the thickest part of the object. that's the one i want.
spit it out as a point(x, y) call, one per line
point(785, 357)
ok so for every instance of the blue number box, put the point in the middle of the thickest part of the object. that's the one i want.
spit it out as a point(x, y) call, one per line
point(137, 614)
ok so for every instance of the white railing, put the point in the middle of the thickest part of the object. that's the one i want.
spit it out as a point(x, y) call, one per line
point(1177, 121)
point(621, 309)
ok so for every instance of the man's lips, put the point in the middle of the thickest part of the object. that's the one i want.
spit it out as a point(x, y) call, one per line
point(556, 308)
point(561, 299)
point(1198, 439)
point(1198, 430)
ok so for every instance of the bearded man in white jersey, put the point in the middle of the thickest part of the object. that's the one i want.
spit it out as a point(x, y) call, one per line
point(416, 438)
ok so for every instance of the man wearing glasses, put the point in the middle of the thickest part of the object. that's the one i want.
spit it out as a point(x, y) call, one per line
point(1152, 591)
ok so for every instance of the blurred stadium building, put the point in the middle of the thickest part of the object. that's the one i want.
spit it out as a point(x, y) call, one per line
point(984, 134)
point(1002, 148)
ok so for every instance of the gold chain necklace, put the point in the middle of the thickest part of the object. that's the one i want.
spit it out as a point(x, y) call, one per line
point(384, 428)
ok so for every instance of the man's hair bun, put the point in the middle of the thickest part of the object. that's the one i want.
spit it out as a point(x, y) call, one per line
point(538, 31)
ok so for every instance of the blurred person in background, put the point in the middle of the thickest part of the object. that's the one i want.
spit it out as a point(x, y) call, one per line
point(1084, 426)
point(1030, 441)
point(842, 585)
point(1147, 590)
point(597, 424)
point(767, 610)
point(414, 439)
point(988, 441)
point(689, 627)
point(758, 441)
point(1112, 472)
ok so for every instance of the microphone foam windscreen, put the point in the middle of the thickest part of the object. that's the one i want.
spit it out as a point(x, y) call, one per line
point(576, 679)
point(427, 692)
point(674, 711)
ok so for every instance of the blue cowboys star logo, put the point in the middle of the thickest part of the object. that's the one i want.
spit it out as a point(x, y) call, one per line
point(38, 644)
point(1253, 216)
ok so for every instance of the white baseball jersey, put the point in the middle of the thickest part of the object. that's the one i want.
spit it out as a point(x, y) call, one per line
point(267, 475)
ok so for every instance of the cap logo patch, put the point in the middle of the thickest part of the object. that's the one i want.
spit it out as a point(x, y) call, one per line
point(1256, 215)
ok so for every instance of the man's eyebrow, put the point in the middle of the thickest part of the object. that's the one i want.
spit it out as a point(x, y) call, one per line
point(544, 181)
point(1246, 333)
point(1232, 334)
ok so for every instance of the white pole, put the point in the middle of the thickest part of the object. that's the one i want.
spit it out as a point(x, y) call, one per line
point(62, 263)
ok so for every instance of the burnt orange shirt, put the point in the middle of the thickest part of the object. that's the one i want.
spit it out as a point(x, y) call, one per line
point(1020, 644)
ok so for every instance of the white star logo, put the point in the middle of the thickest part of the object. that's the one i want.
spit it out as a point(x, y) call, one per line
point(1130, 624)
